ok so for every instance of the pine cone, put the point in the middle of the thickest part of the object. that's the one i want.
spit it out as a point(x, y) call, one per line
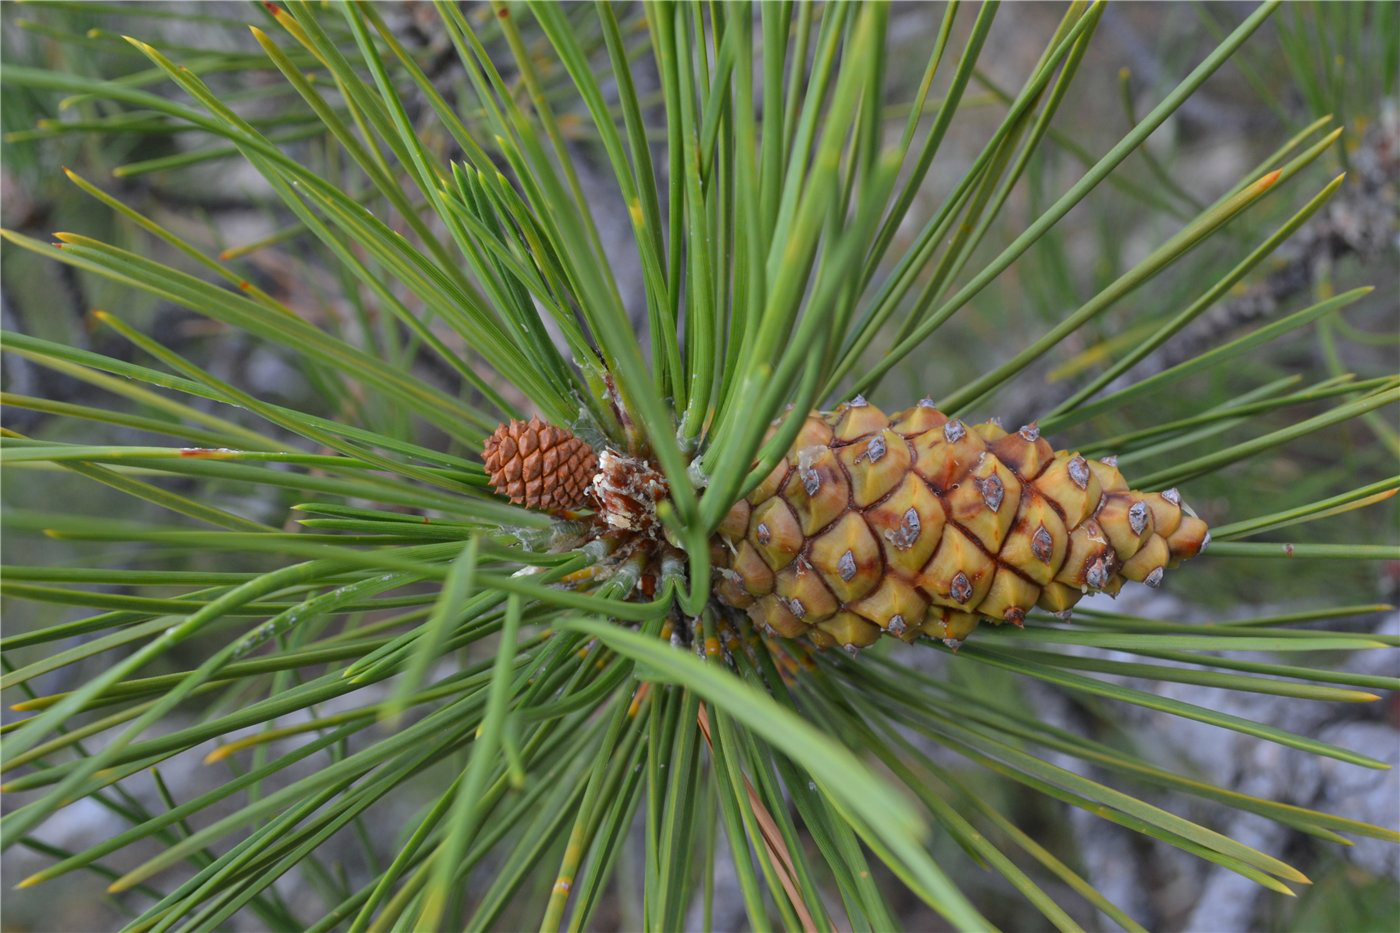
point(920, 524)
point(538, 465)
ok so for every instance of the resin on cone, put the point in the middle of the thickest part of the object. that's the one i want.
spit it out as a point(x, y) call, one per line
point(921, 524)
point(538, 465)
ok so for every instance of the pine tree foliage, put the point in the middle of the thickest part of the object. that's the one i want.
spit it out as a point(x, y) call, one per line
point(324, 598)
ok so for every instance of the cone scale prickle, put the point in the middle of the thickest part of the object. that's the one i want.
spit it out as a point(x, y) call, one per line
point(916, 524)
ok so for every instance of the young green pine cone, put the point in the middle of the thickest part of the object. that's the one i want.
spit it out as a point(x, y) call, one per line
point(539, 465)
point(921, 524)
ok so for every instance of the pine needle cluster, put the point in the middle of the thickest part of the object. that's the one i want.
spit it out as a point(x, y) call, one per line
point(319, 595)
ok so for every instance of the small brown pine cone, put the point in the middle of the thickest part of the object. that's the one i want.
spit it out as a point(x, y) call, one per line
point(538, 465)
